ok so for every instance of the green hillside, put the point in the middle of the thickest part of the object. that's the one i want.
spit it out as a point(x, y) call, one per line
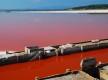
point(99, 6)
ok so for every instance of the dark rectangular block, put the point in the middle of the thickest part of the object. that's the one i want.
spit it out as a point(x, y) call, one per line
point(72, 50)
point(9, 60)
point(90, 47)
point(103, 45)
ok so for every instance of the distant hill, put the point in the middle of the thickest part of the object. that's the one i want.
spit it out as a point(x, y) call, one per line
point(89, 7)
point(97, 6)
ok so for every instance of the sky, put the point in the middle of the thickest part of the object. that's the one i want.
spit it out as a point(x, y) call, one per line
point(47, 4)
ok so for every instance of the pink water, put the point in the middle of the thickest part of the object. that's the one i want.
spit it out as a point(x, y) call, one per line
point(18, 30)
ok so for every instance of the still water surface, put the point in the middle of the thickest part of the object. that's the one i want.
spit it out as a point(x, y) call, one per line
point(18, 30)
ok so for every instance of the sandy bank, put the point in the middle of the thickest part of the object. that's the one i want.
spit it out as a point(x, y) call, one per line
point(71, 11)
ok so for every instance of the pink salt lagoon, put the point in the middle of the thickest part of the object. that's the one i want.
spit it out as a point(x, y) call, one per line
point(18, 30)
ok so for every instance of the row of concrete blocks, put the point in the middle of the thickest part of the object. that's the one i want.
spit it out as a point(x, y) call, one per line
point(17, 59)
point(76, 49)
point(56, 52)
